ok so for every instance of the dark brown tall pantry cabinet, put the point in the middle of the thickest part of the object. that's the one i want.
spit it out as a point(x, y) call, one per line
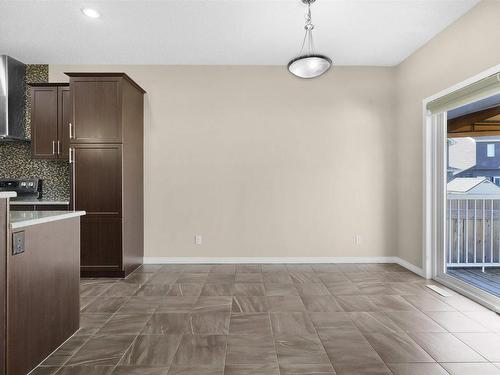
point(106, 153)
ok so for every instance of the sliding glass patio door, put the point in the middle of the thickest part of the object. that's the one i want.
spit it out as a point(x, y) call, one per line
point(466, 178)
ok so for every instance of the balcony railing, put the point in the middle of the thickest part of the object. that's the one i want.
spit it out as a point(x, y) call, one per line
point(473, 231)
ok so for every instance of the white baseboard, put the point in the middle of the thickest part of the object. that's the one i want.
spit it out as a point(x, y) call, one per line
point(247, 260)
point(411, 267)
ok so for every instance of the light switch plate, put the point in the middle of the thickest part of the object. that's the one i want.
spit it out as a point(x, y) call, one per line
point(17, 243)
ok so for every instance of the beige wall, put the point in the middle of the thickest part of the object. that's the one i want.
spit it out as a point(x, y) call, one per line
point(265, 165)
point(466, 48)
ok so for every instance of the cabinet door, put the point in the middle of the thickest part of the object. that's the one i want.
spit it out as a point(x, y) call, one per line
point(96, 104)
point(64, 117)
point(97, 175)
point(44, 122)
point(101, 244)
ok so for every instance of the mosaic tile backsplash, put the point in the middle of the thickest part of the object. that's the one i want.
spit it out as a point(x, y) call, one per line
point(15, 158)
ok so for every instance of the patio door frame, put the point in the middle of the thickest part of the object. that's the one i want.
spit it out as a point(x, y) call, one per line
point(434, 218)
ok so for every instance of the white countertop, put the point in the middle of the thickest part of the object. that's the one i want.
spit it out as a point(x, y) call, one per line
point(37, 202)
point(20, 219)
point(8, 194)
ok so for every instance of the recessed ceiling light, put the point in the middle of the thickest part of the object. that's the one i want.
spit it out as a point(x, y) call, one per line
point(91, 13)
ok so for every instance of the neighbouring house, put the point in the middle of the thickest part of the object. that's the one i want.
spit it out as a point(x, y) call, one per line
point(472, 186)
point(461, 155)
point(487, 160)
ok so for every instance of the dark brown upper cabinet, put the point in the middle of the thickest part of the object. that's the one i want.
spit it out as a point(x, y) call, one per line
point(97, 104)
point(50, 120)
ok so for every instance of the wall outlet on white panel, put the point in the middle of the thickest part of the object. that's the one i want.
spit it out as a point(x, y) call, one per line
point(198, 239)
point(358, 239)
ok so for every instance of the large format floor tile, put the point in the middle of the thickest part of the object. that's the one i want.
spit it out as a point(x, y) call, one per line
point(455, 321)
point(151, 350)
point(203, 350)
point(168, 323)
point(298, 354)
point(256, 369)
point(104, 305)
point(124, 324)
point(444, 347)
point(140, 370)
point(348, 348)
point(413, 321)
point(396, 347)
point(83, 370)
point(66, 351)
point(295, 323)
point(250, 349)
point(213, 304)
point(426, 302)
point(276, 319)
point(487, 344)
point(321, 303)
point(101, 350)
point(249, 304)
point(417, 369)
point(471, 369)
point(250, 324)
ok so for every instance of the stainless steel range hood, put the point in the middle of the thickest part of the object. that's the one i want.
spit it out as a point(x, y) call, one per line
point(12, 99)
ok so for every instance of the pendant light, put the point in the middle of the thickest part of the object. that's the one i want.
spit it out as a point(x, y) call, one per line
point(309, 64)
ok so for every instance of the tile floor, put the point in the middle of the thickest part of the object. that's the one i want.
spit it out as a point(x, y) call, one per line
point(276, 320)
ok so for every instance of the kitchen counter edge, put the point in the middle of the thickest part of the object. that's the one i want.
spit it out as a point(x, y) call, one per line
point(7, 194)
point(21, 219)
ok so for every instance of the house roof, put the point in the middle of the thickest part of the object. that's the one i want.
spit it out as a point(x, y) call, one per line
point(464, 184)
point(492, 139)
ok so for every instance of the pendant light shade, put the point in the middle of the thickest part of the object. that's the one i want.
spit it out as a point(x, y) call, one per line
point(308, 63)
point(309, 66)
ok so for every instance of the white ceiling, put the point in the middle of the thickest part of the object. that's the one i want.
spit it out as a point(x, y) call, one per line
point(352, 32)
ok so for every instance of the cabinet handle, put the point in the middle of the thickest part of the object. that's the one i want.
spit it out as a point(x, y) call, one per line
point(73, 182)
point(53, 147)
point(58, 147)
point(70, 130)
point(70, 155)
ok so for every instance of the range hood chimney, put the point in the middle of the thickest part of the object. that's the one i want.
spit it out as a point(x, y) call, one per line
point(12, 99)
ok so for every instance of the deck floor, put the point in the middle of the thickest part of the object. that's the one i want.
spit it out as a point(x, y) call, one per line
point(488, 280)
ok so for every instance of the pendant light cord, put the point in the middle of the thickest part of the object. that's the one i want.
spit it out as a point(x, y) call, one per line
point(308, 37)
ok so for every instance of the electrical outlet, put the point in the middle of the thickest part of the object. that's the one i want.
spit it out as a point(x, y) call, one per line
point(198, 240)
point(17, 243)
point(358, 239)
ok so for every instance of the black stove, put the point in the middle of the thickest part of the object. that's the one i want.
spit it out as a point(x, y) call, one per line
point(26, 188)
